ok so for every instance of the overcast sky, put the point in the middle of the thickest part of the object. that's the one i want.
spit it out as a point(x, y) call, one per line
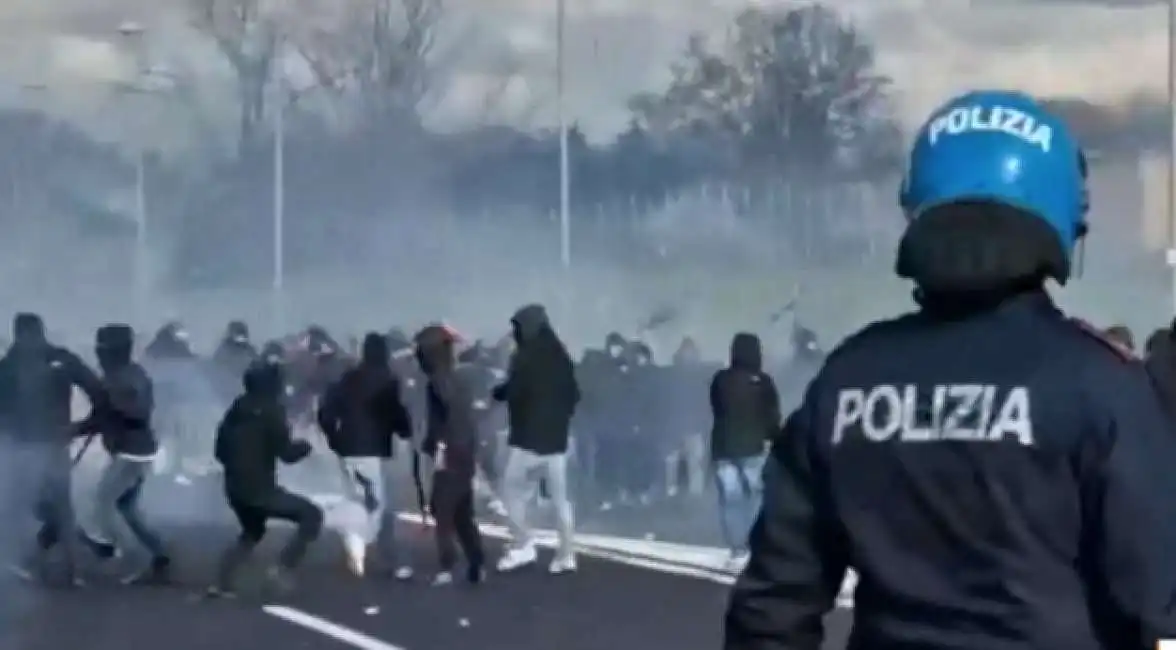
point(619, 47)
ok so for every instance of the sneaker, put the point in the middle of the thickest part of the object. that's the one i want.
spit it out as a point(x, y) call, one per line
point(279, 581)
point(356, 549)
point(497, 507)
point(22, 572)
point(518, 557)
point(442, 579)
point(561, 565)
point(217, 592)
point(102, 549)
point(35, 569)
point(738, 560)
point(157, 574)
point(404, 573)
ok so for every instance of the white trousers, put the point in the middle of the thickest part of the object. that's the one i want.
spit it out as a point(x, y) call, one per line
point(367, 483)
point(520, 481)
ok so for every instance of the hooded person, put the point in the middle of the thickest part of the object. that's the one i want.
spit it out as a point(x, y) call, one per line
point(171, 341)
point(318, 363)
point(688, 419)
point(745, 411)
point(37, 380)
point(605, 419)
point(361, 416)
point(997, 473)
point(186, 403)
point(1160, 360)
point(252, 438)
point(648, 446)
point(541, 394)
point(451, 440)
point(480, 362)
point(127, 436)
point(234, 354)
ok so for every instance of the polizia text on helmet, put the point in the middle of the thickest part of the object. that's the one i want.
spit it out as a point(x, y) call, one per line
point(1000, 119)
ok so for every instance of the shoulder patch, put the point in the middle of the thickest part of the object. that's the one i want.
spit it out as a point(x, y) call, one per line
point(1120, 350)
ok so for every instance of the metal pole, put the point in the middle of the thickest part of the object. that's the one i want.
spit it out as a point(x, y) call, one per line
point(565, 220)
point(1172, 148)
point(279, 216)
point(142, 279)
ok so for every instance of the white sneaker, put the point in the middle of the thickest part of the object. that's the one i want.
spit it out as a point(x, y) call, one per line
point(442, 579)
point(497, 507)
point(518, 557)
point(356, 549)
point(22, 572)
point(404, 573)
point(738, 561)
point(561, 565)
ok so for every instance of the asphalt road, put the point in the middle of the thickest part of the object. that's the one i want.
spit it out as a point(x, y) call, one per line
point(605, 606)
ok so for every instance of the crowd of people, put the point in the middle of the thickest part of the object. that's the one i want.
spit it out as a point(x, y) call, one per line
point(994, 471)
point(490, 428)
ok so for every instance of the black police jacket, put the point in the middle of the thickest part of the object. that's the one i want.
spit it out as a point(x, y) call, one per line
point(999, 482)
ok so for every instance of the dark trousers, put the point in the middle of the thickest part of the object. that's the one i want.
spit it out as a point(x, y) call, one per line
point(643, 466)
point(46, 474)
point(253, 514)
point(605, 474)
point(452, 502)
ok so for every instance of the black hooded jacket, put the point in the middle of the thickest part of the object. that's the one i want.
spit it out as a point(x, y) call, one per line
point(36, 386)
point(603, 377)
point(233, 356)
point(540, 390)
point(125, 423)
point(254, 435)
point(449, 395)
point(744, 403)
point(361, 412)
point(997, 474)
point(1161, 367)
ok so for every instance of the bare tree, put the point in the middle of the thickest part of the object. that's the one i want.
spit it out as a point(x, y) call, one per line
point(794, 87)
point(249, 41)
point(379, 52)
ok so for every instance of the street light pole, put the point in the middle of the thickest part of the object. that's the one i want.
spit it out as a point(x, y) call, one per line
point(565, 217)
point(133, 33)
point(279, 212)
point(142, 262)
point(1172, 148)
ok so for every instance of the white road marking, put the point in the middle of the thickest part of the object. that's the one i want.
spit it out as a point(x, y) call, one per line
point(698, 562)
point(321, 625)
point(547, 539)
point(685, 560)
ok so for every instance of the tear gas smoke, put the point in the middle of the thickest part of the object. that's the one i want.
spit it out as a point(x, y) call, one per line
point(402, 248)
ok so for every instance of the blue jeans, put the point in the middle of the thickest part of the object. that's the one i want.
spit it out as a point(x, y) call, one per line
point(740, 485)
point(118, 491)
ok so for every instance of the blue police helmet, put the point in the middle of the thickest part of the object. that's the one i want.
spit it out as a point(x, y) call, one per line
point(1004, 147)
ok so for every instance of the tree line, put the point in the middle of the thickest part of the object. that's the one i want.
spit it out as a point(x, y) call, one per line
point(790, 92)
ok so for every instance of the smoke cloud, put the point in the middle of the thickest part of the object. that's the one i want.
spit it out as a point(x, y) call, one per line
point(1108, 52)
point(421, 257)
